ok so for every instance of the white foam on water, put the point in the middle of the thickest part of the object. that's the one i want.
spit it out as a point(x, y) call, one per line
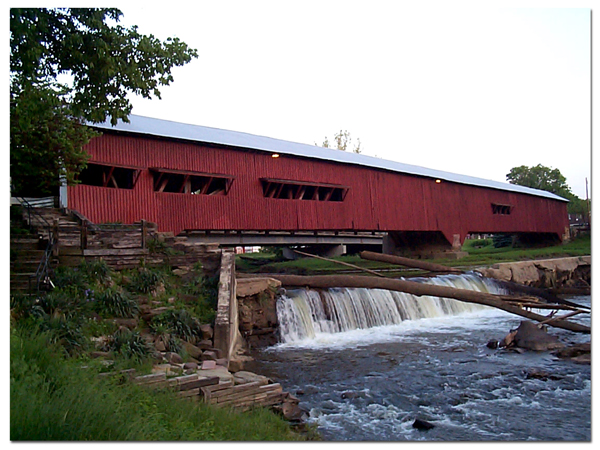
point(343, 317)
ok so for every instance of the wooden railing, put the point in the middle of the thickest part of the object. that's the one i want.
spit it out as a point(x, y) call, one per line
point(44, 269)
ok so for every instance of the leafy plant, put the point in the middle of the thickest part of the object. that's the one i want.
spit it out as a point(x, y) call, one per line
point(58, 302)
point(68, 302)
point(69, 276)
point(23, 306)
point(478, 243)
point(92, 326)
point(96, 270)
point(66, 332)
point(178, 322)
point(206, 287)
point(156, 245)
point(172, 343)
point(162, 331)
point(129, 344)
point(145, 280)
point(115, 301)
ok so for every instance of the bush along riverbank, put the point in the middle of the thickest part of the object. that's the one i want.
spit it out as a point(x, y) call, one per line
point(98, 321)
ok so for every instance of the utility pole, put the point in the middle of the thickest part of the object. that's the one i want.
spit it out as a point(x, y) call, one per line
point(587, 204)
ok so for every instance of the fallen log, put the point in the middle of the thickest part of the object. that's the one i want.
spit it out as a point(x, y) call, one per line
point(420, 289)
point(538, 305)
point(407, 262)
point(549, 321)
point(340, 262)
point(517, 288)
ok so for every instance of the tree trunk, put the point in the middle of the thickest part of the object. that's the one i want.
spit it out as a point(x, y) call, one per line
point(399, 260)
point(517, 288)
point(340, 262)
point(420, 289)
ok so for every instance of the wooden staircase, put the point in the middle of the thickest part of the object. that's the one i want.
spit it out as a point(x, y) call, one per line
point(27, 250)
point(68, 227)
point(76, 239)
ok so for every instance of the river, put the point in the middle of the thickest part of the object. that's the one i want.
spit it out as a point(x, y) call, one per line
point(371, 383)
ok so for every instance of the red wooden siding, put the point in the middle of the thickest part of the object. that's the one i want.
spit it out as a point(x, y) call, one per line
point(376, 200)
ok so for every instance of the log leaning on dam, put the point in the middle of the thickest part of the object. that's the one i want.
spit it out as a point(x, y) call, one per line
point(506, 303)
point(408, 262)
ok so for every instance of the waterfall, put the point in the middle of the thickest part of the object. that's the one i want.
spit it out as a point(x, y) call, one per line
point(305, 313)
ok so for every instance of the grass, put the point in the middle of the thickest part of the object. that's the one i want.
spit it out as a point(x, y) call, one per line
point(54, 398)
point(478, 256)
point(55, 388)
point(489, 255)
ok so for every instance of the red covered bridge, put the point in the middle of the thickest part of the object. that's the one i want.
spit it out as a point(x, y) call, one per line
point(254, 190)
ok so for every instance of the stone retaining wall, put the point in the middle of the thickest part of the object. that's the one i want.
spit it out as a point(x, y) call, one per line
point(553, 273)
point(227, 335)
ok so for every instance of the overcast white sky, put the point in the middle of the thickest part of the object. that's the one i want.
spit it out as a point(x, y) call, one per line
point(460, 88)
point(464, 89)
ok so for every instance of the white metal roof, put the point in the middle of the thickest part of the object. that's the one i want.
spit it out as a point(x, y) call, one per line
point(197, 133)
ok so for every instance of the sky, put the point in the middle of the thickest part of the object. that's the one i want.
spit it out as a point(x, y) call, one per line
point(452, 86)
point(470, 90)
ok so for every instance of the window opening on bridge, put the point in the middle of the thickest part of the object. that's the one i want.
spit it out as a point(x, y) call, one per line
point(195, 183)
point(110, 176)
point(300, 190)
point(503, 210)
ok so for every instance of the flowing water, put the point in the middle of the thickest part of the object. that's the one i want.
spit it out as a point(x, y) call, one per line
point(366, 363)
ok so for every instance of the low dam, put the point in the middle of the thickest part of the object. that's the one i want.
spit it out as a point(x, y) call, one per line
point(263, 320)
point(306, 313)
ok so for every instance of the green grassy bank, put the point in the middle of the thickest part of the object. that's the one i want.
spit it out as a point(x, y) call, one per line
point(56, 393)
point(481, 253)
point(57, 398)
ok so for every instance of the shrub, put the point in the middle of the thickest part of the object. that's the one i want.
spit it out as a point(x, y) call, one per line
point(145, 280)
point(207, 287)
point(66, 332)
point(161, 330)
point(156, 245)
point(207, 290)
point(96, 270)
point(502, 240)
point(69, 276)
point(480, 243)
point(172, 344)
point(67, 301)
point(129, 344)
point(178, 322)
point(114, 301)
point(23, 306)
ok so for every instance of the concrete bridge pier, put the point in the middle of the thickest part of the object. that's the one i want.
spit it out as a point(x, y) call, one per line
point(227, 335)
point(422, 245)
